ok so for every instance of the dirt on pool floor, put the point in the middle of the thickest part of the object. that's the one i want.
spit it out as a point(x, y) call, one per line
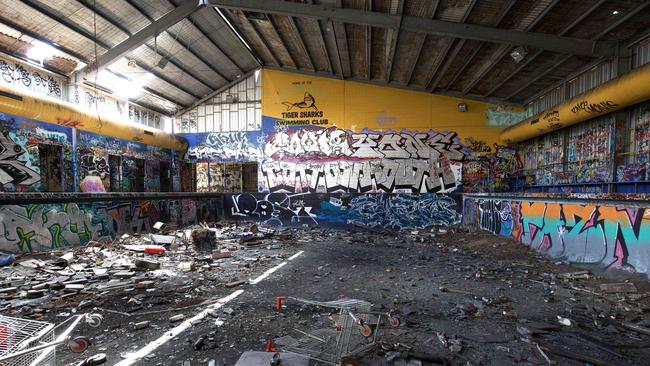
point(461, 298)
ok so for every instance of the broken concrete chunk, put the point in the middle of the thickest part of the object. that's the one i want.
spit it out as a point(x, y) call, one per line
point(73, 287)
point(147, 264)
point(141, 325)
point(163, 239)
point(220, 255)
point(177, 318)
point(235, 283)
point(622, 287)
point(124, 274)
point(67, 257)
point(158, 225)
point(187, 266)
point(204, 240)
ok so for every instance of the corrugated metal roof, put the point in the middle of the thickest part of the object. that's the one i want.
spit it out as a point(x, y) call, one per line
point(202, 53)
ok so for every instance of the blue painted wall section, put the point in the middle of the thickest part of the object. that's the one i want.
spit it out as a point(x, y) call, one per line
point(224, 146)
point(401, 211)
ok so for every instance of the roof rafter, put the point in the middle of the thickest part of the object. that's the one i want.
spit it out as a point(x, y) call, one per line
point(568, 28)
point(176, 38)
point(421, 38)
point(392, 36)
point(539, 76)
point(274, 29)
point(139, 38)
point(301, 41)
point(429, 26)
point(503, 50)
point(43, 9)
point(444, 61)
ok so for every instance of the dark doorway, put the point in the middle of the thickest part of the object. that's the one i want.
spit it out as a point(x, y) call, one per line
point(249, 177)
point(132, 175)
point(51, 160)
point(139, 178)
point(188, 177)
point(115, 176)
point(164, 176)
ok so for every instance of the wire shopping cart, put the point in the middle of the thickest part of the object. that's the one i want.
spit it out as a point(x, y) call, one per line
point(26, 342)
point(355, 330)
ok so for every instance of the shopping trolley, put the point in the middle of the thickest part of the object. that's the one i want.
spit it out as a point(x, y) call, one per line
point(26, 342)
point(355, 330)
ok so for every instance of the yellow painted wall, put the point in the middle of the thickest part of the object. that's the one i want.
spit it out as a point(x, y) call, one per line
point(355, 106)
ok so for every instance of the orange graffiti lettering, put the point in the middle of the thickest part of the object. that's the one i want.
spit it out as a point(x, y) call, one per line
point(68, 122)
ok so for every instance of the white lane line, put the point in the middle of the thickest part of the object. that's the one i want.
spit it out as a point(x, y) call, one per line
point(152, 346)
point(266, 274)
point(134, 357)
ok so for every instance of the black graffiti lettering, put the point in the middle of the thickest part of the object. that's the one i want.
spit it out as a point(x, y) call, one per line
point(598, 107)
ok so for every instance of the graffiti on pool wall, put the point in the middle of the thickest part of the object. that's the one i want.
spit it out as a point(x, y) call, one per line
point(363, 176)
point(224, 146)
point(26, 228)
point(94, 165)
point(616, 237)
point(403, 211)
point(273, 208)
point(326, 143)
point(330, 160)
point(13, 169)
point(37, 227)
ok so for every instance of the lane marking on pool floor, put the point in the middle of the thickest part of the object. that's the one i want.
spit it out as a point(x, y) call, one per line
point(271, 270)
point(172, 333)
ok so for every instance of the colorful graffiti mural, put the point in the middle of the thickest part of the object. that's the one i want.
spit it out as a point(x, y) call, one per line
point(273, 208)
point(404, 211)
point(224, 146)
point(21, 141)
point(34, 227)
point(612, 236)
point(331, 160)
point(389, 211)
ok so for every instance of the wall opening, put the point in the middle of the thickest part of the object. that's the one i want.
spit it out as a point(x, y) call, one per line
point(249, 177)
point(164, 172)
point(115, 177)
point(132, 175)
point(51, 161)
point(188, 177)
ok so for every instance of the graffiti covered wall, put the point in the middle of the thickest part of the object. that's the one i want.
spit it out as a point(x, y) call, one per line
point(326, 135)
point(20, 160)
point(608, 235)
point(36, 227)
point(388, 211)
point(94, 160)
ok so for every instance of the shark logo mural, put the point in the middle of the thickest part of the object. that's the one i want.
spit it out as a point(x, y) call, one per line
point(308, 102)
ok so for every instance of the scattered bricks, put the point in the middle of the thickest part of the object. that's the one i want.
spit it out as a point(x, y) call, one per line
point(177, 318)
point(198, 344)
point(235, 283)
point(34, 294)
point(141, 325)
point(73, 287)
point(186, 266)
point(623, 287)
point(145, 284)
point(124, 274)
point(204, 240)
point(8, 290)
point(220, 255)
point(147, 264)
point(40, 286)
